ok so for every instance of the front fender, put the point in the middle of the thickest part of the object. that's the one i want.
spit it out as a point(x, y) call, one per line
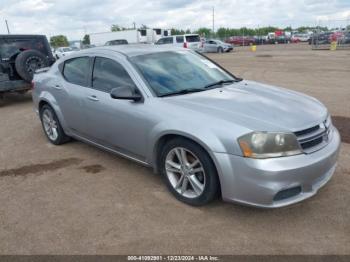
point(203, 136)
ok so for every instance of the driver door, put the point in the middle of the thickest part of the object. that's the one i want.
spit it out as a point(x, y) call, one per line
point(116, 124)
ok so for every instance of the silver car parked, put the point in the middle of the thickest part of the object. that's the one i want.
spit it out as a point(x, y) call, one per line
point(216, 46)
point(207, 132)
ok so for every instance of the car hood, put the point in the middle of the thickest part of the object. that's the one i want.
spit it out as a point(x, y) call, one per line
point(255, 106)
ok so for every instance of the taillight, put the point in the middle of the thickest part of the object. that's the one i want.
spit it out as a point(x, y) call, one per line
point(185, 45)
point(32, 85)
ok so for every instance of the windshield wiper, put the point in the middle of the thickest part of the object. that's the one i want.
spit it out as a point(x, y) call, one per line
point(221, 82)
point(183, 92)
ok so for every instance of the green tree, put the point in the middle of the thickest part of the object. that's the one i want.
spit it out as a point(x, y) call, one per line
point(177, 31)
point(86, 40)
point(58, 41)
point(116, 28)
point(206, 32)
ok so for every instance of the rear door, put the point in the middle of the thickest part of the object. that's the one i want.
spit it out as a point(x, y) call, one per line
point(70, 91)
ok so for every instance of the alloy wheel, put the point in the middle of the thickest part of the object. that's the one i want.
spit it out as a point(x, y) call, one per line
point(185, 172)
point(50, 125)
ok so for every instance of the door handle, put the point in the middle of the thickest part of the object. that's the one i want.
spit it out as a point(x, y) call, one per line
point(58, 87)
point(93, 98)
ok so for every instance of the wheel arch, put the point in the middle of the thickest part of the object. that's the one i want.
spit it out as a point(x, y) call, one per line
point(164, 138)
point(47, 99)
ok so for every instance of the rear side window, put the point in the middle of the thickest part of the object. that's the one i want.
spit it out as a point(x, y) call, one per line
point(109, 74)
point(76, 70)
point(192, 38)
point(179, 39)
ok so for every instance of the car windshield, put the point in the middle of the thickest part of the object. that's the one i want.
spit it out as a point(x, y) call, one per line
point(66, 49)
point(176, 71)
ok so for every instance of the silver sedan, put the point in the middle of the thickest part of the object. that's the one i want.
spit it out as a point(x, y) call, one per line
point(206, 132)
point(216, 46)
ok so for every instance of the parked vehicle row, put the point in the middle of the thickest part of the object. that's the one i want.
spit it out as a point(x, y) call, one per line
point(195, 42)
point(329, 37)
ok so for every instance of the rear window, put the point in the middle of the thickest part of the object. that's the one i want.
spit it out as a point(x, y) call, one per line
point(76, 69)
point(10, 47)
point(192, 38)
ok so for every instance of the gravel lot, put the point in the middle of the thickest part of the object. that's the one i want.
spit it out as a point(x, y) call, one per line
point(76, 199)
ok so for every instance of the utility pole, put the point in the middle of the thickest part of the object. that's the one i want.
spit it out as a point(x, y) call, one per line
point(7, 26)
point(213, 22)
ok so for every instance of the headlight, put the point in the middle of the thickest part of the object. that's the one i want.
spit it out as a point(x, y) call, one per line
point(266, 145)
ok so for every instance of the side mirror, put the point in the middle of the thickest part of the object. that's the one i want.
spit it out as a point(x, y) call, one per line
point(125, 93)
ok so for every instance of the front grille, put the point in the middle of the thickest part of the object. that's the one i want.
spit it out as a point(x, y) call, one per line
point(314, 138)
point(306, 131)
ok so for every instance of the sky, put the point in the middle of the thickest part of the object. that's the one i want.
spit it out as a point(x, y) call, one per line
point(74, 18)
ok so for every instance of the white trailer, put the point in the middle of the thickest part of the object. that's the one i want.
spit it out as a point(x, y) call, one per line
point(133, 36)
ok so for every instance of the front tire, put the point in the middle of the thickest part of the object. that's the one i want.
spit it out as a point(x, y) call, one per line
point(52, 127)
point(189, 172)
point(220, 50)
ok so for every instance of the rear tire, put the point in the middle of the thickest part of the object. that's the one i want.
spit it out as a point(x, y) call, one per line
point(191, 179)
point(28, 61)
point(52, 127)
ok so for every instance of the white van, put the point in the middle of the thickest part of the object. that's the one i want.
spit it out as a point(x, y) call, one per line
point(191, 41)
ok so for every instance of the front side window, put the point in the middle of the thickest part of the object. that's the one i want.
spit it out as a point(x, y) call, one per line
point(143, 32)
point(169, 40)
point(173, 71)
point(76, 69)
point(109, 74)
point(160, 41)
point(179, 39)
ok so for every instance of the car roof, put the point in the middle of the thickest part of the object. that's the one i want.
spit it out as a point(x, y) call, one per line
point(134, 49)
point(21, 36)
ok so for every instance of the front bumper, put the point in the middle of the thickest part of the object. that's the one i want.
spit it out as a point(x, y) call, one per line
point(256, 182)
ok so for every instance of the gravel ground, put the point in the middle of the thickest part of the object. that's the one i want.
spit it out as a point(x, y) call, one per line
point(76, 199)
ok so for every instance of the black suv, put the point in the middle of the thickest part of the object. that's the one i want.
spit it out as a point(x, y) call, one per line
point(20, 56)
